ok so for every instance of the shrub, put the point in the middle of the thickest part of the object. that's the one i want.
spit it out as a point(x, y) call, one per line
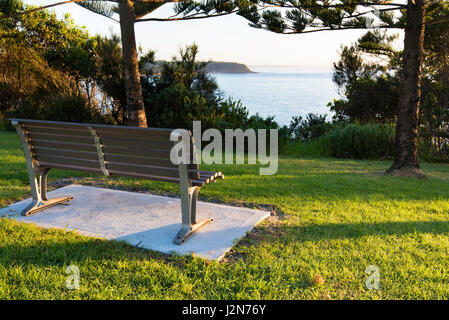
point(311, 127)
point(64, 107)
point(367, 141)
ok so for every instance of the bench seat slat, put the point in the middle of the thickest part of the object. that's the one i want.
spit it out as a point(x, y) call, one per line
point(139, 160)
point(134, 151)
point(206, 177)
point(140, 136)
point(143, 176)
point(143, 169)
point(63, 146)
point(70, 161)
point(52, 131)
point(45, 164)
point(45, 128)
point(149, 144)
point(83, 126)
point(65, 153)
point(60, 138)
point(132, 131)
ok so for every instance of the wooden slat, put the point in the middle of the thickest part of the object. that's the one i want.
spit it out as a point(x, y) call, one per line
point(162, 146)
point(45, 128)
point(141, 135)
point(60, 160)
point(80, 132)
point(74, 125)
point(141, 169)
point(64, 146)
point(44, 164)
point(132, 131)
point(148, 135)
point(65, 153)
point(134, 151)
point(198, 183)
point(207, 177)
point(140, 160)
point(143, 176)
point(60, 137)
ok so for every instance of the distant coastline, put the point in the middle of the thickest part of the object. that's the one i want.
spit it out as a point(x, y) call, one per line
point(219, 67)
point(227, 67)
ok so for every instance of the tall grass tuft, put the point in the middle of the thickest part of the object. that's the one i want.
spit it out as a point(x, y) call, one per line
point(368, 141)
point(356, 141)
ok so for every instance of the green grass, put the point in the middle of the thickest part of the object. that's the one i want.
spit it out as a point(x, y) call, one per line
point(339, 218)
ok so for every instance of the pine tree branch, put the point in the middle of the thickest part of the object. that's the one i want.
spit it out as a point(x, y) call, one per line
point(74, 1)
point(332, 6)
point(191, 17)
point(397, 26)
point(38, 9)
point(436, 21)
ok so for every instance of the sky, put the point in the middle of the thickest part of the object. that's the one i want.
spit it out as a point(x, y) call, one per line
point(227, 38)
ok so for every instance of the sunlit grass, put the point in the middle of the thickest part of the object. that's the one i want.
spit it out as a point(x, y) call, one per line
point(340, 217)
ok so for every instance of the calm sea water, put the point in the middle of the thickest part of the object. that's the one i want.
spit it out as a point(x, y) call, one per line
point(281, 93)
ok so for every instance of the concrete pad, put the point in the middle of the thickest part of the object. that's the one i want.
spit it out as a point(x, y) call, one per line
point(146, 220)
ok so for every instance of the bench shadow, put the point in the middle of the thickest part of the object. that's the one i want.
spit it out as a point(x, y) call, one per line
point(56, 249)
point(64, 251)
point(75, 248)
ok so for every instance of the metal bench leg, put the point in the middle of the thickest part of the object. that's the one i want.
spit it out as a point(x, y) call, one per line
point(189, 197)
point(38, 178)
point(38, 181)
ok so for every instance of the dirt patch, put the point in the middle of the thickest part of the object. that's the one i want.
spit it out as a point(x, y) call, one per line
point(408, 173)
point(403, 173)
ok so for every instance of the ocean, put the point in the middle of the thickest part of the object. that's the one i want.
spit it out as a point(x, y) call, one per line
point(280, 92)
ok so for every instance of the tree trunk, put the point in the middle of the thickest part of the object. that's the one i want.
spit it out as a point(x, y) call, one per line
point(134, 98)
point(406, 140)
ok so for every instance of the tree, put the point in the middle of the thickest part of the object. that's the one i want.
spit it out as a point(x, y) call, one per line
point(47, 69)
point(306, 16)
point(366, 77)
point(295, 17)
point(130, 12)
point(110, 77)
point(41, 56)
point(372, 96)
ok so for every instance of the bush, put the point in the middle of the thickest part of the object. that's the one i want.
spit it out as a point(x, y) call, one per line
point(343, 140)
point(367, 141)
point(311, 127)
point(64, 107)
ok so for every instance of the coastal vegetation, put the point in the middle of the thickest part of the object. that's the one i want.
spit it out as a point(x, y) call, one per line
point(78, 77)
point(292, 17)
point(288, 17)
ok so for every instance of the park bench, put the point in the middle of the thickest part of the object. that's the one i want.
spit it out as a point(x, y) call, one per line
point(113, 151)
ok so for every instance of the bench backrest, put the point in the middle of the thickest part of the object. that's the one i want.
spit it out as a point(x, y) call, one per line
point(111, 150)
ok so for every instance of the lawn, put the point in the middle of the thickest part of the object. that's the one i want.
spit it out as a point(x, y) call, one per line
point(334, 219)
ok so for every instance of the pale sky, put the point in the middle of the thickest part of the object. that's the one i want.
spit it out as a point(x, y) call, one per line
point(227, 38)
